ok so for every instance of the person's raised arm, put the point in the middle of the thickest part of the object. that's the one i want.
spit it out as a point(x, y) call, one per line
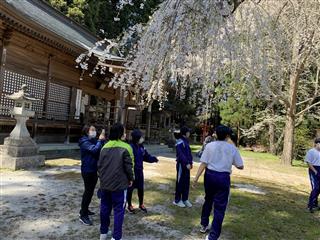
point(149, 158)
point(92, 148)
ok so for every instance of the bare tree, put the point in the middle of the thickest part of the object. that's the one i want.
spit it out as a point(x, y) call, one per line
point(282, 45)
point(274, 43)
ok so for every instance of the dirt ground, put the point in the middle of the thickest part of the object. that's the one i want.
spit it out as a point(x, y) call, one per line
point(44, 204)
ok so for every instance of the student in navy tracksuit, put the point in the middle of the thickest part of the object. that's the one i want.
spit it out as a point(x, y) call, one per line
point(90, 149)
point(140, 155)
point(313, 161)
point(217, 160)
point(183, 166)
point(115, 169)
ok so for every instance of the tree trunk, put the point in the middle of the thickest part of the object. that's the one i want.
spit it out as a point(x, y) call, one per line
point(288, 141)
point(272, 147)
point(287, 153)
point(272, 127)
point(238, 134)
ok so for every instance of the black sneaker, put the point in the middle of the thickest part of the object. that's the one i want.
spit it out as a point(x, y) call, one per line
point(311, 210)
point(85, 220)
point(143, 208)
point(90, 213)
point(131, 209)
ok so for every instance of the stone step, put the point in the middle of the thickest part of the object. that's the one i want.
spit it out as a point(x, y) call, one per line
point(158, 149)
point(59, 150)
point(72, 150)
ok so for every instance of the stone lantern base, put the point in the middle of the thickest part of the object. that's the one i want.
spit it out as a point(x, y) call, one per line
point(20, 153)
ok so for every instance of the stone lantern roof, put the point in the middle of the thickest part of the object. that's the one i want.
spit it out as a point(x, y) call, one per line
point(22, 95)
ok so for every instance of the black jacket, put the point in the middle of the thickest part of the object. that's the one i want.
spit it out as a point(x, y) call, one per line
point(115, 166)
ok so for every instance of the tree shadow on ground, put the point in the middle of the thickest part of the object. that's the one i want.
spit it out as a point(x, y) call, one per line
point(47, 206)
point(279, 214)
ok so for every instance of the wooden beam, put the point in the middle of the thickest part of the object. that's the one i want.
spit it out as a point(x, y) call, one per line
point(98, 93)
point(120, 67)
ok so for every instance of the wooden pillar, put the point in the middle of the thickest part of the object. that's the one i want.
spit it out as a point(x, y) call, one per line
point(122, 110)
point(3, 55)
point(148, 128)
point(48, 80)
point(73, 96)
point(112, 118)
point(116, 111)
point(73, 99)
point(107, 117)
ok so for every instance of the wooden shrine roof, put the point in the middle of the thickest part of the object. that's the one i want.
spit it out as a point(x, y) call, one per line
point(39, 20)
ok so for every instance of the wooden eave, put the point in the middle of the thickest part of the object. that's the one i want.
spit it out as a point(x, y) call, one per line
point(26, 26)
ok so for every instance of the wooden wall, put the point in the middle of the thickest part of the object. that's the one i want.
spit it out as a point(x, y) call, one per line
point(31, 57)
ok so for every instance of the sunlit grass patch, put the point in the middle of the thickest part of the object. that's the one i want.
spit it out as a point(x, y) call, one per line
point(277, 212)
point(195, 148)
point(62, 162)
point(264, 156)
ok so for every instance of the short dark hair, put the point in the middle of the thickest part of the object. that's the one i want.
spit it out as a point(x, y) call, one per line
point(136, 134)
point(85, 129)
point(177, 134)
point(184, 130)
point(116, 131)
point(222, 132)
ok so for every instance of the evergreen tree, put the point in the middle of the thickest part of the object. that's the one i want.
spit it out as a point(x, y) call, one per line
point(99, 15)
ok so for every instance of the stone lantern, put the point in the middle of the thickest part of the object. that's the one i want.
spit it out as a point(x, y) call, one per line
point(19, 149)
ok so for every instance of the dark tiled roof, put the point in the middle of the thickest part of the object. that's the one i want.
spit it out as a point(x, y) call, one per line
point(44, 15)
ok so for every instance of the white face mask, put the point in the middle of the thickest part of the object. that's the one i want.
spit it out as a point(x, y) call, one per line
point(92, 134)
point(141, 140)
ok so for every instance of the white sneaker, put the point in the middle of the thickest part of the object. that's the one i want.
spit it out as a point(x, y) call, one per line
point(207, 237)
point(103, 236)
point(179, 204)
point(114, 239)
point(187, 203)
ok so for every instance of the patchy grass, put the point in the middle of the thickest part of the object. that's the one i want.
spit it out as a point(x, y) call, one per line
point(195, 148)
point(266, 157)
point(269, 157)
point(280, 213)
point(256, 155)
point(61, 162)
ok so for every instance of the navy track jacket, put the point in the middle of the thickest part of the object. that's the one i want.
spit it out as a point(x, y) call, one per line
point(90, 151)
